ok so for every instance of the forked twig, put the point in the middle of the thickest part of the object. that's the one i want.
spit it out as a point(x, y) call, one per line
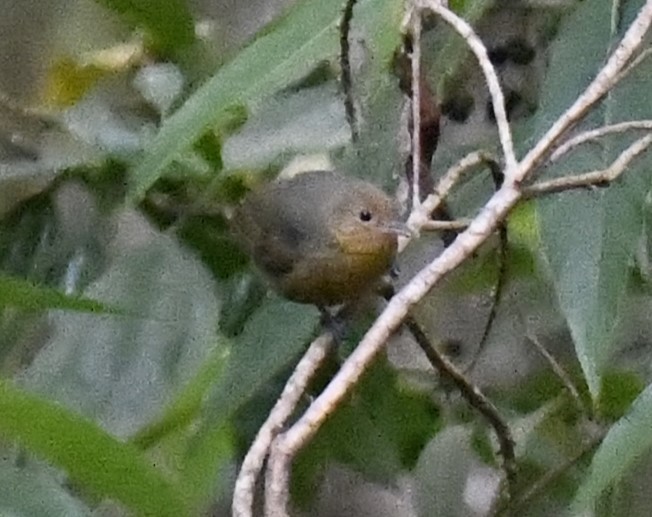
point(481, 228)
point(475, 398)
point(594, 178)
point(243, 496)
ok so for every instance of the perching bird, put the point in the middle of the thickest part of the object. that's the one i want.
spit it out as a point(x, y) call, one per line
point(320, 237)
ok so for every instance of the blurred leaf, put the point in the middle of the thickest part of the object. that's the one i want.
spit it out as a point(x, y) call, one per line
point(23, 294)
point(203, 466)
point(90, 456)
point(306, 36)
point(68, 81)
point(376, 155)
point(122, 371)
point(55, 240)
point(168, 22)
point(30, 490)
point(381, 415)
point(589, 238)
point(243, 294)
point(619, 390)
point(626, 442)
point(274, 336)
point(198, 458)
point(211, 237)
point(453, 52)
point(301, 122)
point(443, 469)
point(186, 406)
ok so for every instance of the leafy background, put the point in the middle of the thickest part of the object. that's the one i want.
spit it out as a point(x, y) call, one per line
point(138, 352)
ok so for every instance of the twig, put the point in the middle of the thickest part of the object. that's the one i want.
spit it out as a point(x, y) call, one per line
point(345, 67)
point(243, 495)
point(501, 280)
point(593, 178)
point(485, 223)
point(606, 79)
point(498, 179)
point(277, 482)
point(594, 134)
point(634, 63)
point(560, 372)
point(480, 51)
point(440, 226)
point(474, 397)
point(415, 26)
point(540, 485)
point(421, 217)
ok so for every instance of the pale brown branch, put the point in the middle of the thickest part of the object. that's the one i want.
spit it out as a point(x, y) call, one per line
point(481, 228)
point(597, 133)
point(477, 47)
point(421, 217)
point(440, 226)
point(243, 495)
point(593, 178)
point(415, 27)
point(277, 481)
point(633, 64)
point(606, 79)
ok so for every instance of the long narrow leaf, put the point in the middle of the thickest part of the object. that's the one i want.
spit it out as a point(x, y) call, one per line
point(302, 39)
point(22, 294)
point(627, 441)
point(90, 456)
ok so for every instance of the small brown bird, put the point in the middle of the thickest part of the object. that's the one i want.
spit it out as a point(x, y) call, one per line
point(321, 237)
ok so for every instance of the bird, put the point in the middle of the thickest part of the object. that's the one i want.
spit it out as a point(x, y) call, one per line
point(320, 237)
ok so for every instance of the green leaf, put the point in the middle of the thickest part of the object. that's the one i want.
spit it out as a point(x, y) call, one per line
point(444, 468)
point(23, 294)
point(307, 35)
point(168, 22)
point(90, 456)
point(626, 442)
point(382, 415)
point(187, 404)
point(19, 487)
point(619, 389)
point(134, 365)
point(376, 155)
point(204, 461)
point(589, 238)
point(274, 336)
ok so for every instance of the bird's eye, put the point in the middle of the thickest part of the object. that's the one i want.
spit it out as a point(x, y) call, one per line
point(365, 215)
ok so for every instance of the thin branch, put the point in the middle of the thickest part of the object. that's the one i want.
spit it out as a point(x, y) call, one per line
point(422, 217)
point(415, 27)
point(243, 495)
point(593, 178)
point(441, 226)
point(474, 397)
point(277, 481)
point(560, 372)
point(498, 290)
point(634, 63)
point(345, 67)
point(606, 79)
point(480, 51)
point(541, 484)
point(482, 227)
point(594, 134)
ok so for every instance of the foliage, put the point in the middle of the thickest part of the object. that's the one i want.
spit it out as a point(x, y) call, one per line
point(140, 353)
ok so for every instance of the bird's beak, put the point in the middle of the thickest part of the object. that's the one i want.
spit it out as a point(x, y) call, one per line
point(396, 227)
